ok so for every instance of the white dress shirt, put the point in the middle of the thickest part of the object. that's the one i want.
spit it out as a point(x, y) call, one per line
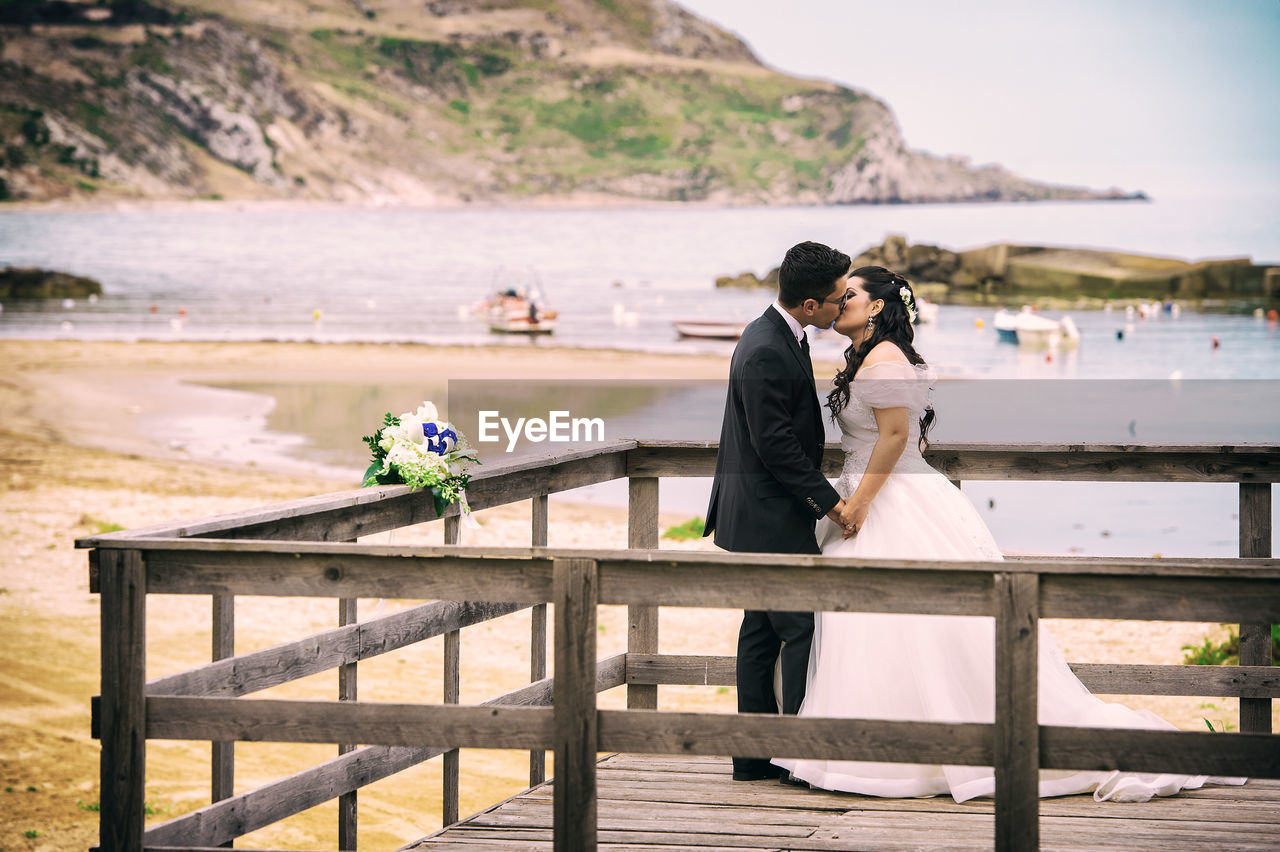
point(792, 323)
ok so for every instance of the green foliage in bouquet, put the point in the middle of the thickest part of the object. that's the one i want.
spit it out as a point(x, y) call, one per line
point(373, 475)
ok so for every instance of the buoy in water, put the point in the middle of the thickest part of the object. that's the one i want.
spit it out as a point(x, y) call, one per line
point(977, 323)
point(1119, 334)
point(182, 312)
point(1273, 315)
point(316, 315)
point(1216, 342)
point(1048, 357)
point(68, 304)
point(154, 308)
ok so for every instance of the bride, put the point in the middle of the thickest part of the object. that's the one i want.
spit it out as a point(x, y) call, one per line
point(923, 667)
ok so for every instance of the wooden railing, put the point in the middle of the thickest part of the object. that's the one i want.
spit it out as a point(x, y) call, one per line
point(304, 549)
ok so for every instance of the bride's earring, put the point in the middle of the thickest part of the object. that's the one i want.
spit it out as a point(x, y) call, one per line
point(871, 323)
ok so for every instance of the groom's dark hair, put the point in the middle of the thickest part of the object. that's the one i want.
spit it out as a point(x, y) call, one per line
point(808, 272)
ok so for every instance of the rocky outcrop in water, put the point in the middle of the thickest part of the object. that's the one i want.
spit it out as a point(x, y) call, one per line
point(32, 283)
point(749, 281)
point(1008, 269)
point(995, 272)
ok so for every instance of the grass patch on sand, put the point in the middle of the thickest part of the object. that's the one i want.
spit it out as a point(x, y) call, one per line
point(691, 529)
point(1227, 652)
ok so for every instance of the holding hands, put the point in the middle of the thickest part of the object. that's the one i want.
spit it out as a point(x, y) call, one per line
point(849, 515)
point(853, 514)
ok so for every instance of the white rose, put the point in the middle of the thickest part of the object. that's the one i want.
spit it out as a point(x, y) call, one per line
point(426, 412)
point(396, 435)
point(402, 454)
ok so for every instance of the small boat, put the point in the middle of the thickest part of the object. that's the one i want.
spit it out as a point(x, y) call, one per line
point(1028, 328)
point(515, 311)
point(1006, 326)
point(709, 329)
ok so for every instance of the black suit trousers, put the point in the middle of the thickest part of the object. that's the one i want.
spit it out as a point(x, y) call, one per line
point(763, 639)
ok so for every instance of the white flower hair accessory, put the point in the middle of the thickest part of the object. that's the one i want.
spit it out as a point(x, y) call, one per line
point(905, 293)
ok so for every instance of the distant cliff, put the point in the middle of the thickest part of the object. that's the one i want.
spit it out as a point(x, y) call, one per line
point(439, 102)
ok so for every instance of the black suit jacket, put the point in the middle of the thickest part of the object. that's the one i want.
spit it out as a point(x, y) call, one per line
point(769, 489)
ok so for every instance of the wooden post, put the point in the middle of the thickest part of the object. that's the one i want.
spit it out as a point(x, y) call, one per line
point(956, 483)
point(223, 758)
point(1017, 731)
point(452, 691)
point(642, 621)
point(123, 761)
point(538, 638)
point(347, 691)
point(576, 592)
point(1255, 639)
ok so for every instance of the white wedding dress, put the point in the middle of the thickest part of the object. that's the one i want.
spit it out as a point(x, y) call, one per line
point(929, 667)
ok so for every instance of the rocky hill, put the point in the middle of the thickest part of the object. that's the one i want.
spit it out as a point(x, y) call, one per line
point(439, 102)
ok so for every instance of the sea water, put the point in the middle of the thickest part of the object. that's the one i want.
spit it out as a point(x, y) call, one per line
point(620, 277)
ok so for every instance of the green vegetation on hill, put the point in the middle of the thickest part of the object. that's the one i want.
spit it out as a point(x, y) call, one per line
point(469, 99)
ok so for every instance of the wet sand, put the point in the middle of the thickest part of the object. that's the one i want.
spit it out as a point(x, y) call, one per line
point(79, 453)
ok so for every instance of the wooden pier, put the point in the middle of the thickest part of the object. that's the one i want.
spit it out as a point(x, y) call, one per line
point(307, 549)
point(669, 802)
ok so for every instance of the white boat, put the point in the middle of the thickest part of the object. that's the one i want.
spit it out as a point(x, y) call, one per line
point(709, 329)
point(1028, 328)
point(517, 312)
point(1006, 326)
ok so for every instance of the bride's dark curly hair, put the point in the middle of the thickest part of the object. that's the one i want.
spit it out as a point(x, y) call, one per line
point(893, 323)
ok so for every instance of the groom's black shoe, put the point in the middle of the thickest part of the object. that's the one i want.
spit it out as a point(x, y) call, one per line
point(760, 774)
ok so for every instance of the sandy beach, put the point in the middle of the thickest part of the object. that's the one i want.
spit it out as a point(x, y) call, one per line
point(79, 454)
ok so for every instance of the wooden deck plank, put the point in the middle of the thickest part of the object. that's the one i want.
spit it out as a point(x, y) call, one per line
point(525, 810)
point(668, 802)
point(653, 823)
point(1236, 804)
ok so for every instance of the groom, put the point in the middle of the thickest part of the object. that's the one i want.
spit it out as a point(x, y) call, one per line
point(769, 490)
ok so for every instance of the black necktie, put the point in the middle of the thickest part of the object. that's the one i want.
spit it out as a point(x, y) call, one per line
point(804, 347)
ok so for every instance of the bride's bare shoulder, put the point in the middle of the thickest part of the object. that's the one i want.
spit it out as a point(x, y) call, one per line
point(886, 351)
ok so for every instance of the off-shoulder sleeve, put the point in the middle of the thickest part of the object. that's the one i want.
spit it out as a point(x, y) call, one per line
point(894, 384)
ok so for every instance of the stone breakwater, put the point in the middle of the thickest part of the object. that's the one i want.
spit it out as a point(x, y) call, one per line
point(31, 283)
point(1008, 269)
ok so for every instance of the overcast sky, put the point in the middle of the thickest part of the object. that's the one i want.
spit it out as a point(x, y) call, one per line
point(1175, 97)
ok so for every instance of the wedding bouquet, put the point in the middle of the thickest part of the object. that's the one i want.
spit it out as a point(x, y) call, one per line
point(420, 450)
